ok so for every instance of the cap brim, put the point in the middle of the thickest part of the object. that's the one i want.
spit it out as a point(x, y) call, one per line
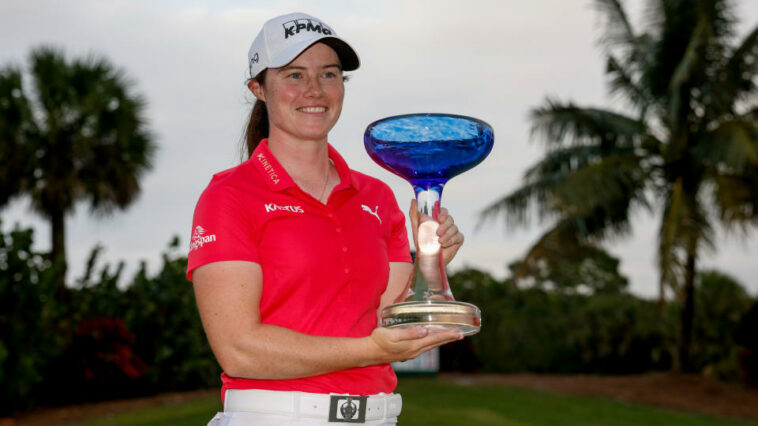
point(348, 58)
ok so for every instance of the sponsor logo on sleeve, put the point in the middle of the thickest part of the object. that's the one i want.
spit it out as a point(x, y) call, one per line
point(200, 237)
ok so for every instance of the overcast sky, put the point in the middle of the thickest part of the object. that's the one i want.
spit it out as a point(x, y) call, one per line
point(493, 60)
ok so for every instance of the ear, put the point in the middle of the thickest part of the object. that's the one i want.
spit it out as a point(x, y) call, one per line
point(257, 89)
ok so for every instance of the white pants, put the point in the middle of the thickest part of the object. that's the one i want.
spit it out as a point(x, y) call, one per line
point(255, 407)
point(240, 418)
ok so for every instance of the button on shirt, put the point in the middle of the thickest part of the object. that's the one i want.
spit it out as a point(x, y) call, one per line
point(324, 266)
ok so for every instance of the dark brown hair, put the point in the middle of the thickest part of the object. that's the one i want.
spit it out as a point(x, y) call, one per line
point(257, 126)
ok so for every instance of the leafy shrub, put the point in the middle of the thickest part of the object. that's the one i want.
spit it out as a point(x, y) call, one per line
point(29, 319)
point(96, 340)
point(538, 329)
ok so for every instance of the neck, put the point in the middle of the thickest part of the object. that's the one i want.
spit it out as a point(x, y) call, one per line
point(306, 162)
point(302, 159)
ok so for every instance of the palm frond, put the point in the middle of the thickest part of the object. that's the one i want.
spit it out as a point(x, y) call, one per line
point(560, 162)
point(601, 143)
point(618, 29)
point(731, 147)
point(594, 192)
point(540, 182)
point(517, 207)
point(736, 199)
point(565, 122)
point(613, 181)
point(622, 82)
point(734, 81)
point(684, 75)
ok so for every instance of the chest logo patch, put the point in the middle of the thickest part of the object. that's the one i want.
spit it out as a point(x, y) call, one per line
point(374, 212)
point(271, 207)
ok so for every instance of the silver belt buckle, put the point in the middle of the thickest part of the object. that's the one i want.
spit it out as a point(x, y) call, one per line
point(347, 409)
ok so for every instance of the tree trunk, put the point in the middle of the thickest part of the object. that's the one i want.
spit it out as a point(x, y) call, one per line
point(58, 250)
point(687, 315)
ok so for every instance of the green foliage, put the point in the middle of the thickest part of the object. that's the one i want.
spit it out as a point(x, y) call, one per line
point(103, 341)
point(162, 313)
point(538, 329)
point(29, 318)
point(722, 303)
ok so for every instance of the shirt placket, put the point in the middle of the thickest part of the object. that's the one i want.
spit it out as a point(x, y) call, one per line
point(342, 242)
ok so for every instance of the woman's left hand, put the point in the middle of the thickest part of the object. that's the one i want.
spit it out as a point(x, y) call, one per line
point(450, 237)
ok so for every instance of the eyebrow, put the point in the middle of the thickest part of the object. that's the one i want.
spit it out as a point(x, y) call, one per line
point(297, 67)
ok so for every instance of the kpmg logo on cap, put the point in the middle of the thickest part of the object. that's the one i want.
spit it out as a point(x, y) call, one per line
point(295, 26)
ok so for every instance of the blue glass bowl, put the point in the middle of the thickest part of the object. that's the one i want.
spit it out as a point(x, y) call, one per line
point(428, 149)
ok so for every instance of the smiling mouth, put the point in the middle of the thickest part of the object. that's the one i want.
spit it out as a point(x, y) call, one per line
point(312, 109)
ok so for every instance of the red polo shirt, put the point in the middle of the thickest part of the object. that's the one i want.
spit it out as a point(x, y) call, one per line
point(324, 266)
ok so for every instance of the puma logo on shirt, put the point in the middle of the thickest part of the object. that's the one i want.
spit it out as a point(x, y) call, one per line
point(374, 212)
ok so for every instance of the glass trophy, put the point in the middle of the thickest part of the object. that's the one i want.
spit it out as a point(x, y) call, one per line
point(428, 150)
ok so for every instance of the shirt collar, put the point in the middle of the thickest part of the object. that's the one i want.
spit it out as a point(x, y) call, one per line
point(277, 178)
point(342, 169)
point(273, 173)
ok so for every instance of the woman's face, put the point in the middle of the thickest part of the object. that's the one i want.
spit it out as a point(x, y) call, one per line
point(304, 97)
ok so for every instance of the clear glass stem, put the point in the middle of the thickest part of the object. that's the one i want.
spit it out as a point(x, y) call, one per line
point(430, 280)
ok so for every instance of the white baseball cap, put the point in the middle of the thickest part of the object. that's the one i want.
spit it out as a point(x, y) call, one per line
point(283, 38)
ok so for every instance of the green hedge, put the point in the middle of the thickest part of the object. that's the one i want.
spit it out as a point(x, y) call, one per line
point(539, 330)
point(96, 341)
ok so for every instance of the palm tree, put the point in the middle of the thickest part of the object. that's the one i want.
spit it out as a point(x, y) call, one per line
point(72, 133)
point(685, 145)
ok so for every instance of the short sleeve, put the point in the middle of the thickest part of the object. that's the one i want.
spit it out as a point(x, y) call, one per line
point(222, 229)
point(398, 248)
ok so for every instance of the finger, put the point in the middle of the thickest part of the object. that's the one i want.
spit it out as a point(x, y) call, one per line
point(443, 215)
point(445, 224)
point(408, 333)
point(439, 339)
point(451, 237)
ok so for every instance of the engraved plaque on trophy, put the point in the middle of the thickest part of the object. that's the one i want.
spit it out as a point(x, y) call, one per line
point(428, 150)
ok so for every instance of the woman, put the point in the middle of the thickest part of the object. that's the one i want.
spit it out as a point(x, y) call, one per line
point(289, 269)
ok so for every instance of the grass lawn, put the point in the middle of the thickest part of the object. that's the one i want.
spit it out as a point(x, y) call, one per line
point(427, 401)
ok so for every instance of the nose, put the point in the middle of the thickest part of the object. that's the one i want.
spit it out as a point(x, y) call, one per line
point(314, 89)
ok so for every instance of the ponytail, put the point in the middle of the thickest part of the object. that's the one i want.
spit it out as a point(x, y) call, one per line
point(257, 127)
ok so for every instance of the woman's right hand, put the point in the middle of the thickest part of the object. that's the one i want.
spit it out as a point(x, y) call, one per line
point(402, 344)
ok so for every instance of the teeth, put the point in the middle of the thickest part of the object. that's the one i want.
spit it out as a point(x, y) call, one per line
point(312, 109)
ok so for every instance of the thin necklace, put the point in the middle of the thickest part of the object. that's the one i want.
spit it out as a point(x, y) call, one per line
point(326, 182)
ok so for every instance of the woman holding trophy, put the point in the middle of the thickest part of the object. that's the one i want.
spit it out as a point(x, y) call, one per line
point(294, 255)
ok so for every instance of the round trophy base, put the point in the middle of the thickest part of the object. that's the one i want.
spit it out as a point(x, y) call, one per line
point(436, 316)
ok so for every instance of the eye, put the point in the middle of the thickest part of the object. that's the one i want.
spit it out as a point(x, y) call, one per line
point(330, 74)
point(295, 75)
